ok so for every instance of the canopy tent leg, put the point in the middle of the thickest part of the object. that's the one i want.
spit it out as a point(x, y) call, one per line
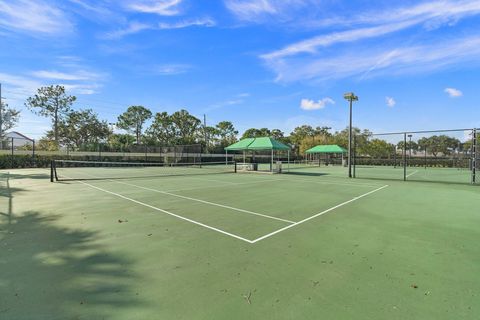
point(244, 156)
point(226, 157)
point(288, 160)
point(271, 162)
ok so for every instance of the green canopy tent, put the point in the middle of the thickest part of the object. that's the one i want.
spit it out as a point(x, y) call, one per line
point(257, 144)
point(326, 149)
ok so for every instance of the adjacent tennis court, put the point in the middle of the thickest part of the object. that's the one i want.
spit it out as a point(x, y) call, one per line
point(200, 241)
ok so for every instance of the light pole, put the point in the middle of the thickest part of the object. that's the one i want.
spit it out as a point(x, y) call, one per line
point(350, 96)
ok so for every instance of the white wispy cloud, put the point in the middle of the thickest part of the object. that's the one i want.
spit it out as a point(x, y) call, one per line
point(308, 104)
point(160, 7)
point(76, 79)
point(257, 10)
point(235, 100)
point(453, 93)
point(431, 13)
point(36, 17)
point(132, 28)
point(407, 60)
point(204, 22)
point(390, 102)
point(247, 10)
point(313, 44)
point(74, 76)
point(171, 69)
point(312, 58)
point(135, 27)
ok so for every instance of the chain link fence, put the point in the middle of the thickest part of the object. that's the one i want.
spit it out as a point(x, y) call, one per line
point(434, 156)
point(25, 153)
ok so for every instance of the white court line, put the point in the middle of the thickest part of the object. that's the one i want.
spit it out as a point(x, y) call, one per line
point(318, 214)
point(167, 212)
point(205, 202)
point(212, 187)
point(411, 174)
point(194, 199)
point(364, 185)
point(211, 180)
point(225, 232)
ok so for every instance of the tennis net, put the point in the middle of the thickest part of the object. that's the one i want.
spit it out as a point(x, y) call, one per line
point(63, 170)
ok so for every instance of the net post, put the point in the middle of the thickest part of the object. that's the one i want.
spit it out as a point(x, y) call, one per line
point(404, 156)
point(55, 170)
point(235, 166)
point(51, 171)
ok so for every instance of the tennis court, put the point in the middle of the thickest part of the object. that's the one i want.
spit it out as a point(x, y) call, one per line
point(204, 242)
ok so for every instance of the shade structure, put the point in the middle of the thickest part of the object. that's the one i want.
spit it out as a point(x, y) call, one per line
point(258, 144)
point(329, 148)
point(263, 143)
point(240, 145)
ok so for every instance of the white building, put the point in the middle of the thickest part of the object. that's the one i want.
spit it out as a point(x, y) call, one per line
point(19, 140)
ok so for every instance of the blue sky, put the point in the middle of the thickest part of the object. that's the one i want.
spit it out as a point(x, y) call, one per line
point(258, 63)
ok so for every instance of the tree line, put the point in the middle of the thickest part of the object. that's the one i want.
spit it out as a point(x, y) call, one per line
point(82, 129)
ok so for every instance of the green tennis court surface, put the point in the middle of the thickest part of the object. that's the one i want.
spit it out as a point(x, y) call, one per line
point(138, 243)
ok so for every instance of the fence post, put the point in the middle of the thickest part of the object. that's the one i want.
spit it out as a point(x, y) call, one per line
point(33, 151)
point(474, 154)
point(146, 153)
point(405, 156)
point(13, 155)
point(354, 155)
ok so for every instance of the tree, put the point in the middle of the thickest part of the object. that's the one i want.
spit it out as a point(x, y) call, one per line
point(439, 144)
point(227, 133)
point(178, 128)
point(310, 142)
point(411, 145)
point(299, 133)
point(361, 139)
point(186, 127)
point(161, 129)
point(8, 118)
point(133, 120)
point(277, 134)
point(378, 148)
point(46, 144)
point(83, 128)
point(120, 142)
point(211, 134)
point(323, 131)
point(51, 102)
point(256, 133)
